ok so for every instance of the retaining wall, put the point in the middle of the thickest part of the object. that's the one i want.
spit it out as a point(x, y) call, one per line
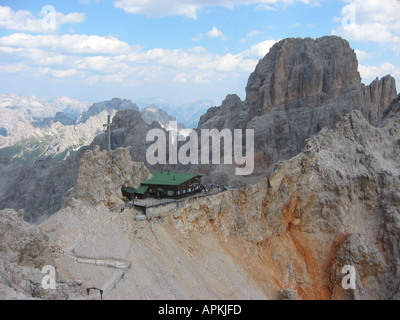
point(165, 209)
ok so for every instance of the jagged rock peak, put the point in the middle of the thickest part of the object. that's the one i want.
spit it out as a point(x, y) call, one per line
point(299, 87)
point(128, 118)
point(102, 174)
point(298, 69)
point(231, 105)
point(114, 104)
point(231, 100)
point(380, 93)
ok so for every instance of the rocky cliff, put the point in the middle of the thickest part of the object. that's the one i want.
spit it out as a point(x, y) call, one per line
point(24, 251)
point(102, 173)
point(129, 130)
point(38, 189)
point(319, 208)
point(332, 205)
point(304, 73)
point(299, 87)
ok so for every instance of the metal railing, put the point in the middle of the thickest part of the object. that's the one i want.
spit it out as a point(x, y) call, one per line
point(91, 233)
point(122, 265)
point(156, 203)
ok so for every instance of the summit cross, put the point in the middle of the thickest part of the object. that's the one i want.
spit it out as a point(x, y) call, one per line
point(109, 125)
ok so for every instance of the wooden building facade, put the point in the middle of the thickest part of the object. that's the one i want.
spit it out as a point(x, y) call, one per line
point(128, 193)
point(166, 184)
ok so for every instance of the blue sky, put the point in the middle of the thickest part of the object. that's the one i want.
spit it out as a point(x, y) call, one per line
point(179, 51)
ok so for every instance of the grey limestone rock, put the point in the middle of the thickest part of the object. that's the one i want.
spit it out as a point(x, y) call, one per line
point(40, 189)
point(298, 88)
point(102, 173)
point(24, 251)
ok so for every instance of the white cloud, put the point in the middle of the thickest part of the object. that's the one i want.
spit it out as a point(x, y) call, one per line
point(215, 33)
point(258, 50)
point(294, 25)
point(182, 77)
point(266, 7)
point(369, 73)
point(198, 37)
point(138, 66)
point(371, 20)
point(11, 68)
point(78, 44)
point(59, 73)
point(361, 54)
point(254, 33)
point(158, 8)
point(190, 8)
point(66, 56)
point(250, 35)
point(92, 59)
point(103, 64)
point(25, 21)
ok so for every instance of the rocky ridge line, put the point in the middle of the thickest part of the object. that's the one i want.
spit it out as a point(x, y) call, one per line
point(332, 205)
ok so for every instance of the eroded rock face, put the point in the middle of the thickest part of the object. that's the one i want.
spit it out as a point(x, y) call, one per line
point(129, 130)
point(39, 190)
point(102, 173)
point(24, 251)
point(22, 243)
point(299, 87)
point(393, 111)
point(299, 73)
point(378, 96)
point(334, 204)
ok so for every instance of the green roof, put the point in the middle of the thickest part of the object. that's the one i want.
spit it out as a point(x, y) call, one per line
point(169, 178)
point(128, 189)
point(142, 189)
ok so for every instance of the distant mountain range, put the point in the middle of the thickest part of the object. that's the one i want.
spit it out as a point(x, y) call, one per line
point(301, 88)
point(186, 113)
point(31, 128)
point(15, 108)
point(152, 113)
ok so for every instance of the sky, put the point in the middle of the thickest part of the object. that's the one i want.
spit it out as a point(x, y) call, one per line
point(176, 50)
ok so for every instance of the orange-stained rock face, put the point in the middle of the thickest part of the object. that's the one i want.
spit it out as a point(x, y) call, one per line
point(289, 236)
point(334, 205)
